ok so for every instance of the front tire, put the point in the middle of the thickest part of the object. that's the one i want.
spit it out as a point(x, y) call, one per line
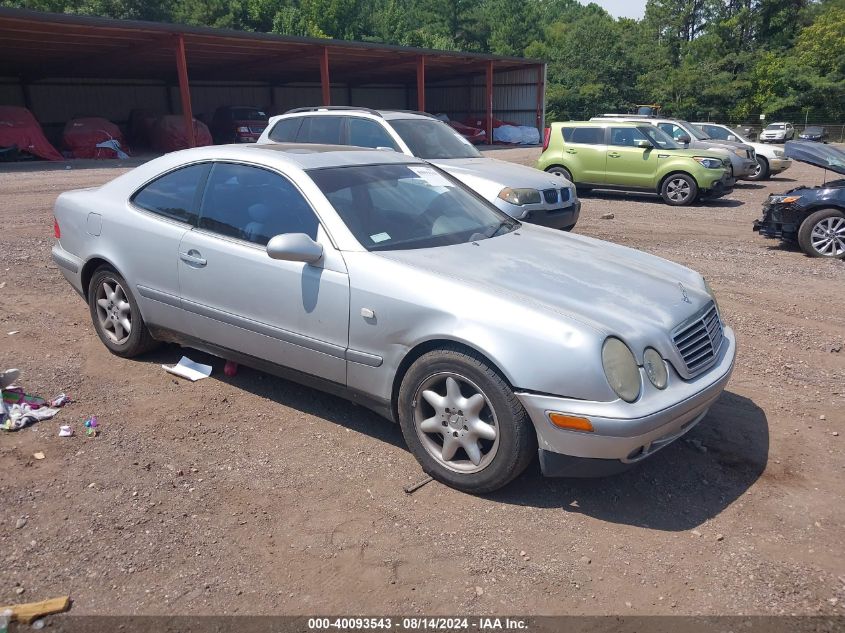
point(679, 190)
point(463, 422)
point(822, 234)
point(115, 314)
point(762, 171)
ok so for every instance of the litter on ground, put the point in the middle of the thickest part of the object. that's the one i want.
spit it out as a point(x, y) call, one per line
point(186, 368)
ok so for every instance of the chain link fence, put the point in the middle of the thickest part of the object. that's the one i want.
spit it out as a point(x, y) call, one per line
point(753, 125)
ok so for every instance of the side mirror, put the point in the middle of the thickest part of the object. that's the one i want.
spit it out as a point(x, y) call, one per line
point(731, 137)
point(644, 144)
point(683, 139)
point(294, 247)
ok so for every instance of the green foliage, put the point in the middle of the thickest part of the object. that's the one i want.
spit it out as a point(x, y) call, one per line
point(726, 59)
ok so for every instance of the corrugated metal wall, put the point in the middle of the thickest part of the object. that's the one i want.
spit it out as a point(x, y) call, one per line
point(55, 102)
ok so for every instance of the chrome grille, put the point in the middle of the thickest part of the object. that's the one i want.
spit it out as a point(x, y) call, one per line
point(698, 341)
point(257, 129)
point(550, 195)
point(564, 194)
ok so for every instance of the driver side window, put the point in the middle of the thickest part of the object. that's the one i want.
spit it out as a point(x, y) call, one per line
point(672, 130)
point(254, 204)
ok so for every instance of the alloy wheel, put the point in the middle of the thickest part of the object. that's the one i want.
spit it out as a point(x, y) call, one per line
point(455, 422)
point(114, 312)
point(678, 190)
point(828, 237)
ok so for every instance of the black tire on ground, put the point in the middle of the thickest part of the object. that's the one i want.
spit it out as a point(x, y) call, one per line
point(825, 220)
point(139, 340)
point(516, 436)
point(557, 170)
point(762, 172)
point(679, 190)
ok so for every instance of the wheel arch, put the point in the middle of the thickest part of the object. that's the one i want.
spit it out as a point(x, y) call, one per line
point(422, 348)
point(90, 267)
point(675, 172)
point(561, 166)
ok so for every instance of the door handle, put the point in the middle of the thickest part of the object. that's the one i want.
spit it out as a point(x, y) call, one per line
point(614, 155)
point(193, 257)
point(571, 151)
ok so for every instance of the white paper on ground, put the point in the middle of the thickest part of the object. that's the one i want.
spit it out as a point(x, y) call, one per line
point(186, 368)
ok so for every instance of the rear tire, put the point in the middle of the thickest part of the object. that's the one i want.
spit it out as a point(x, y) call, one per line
point(115, 314)
point(679, 190)
point(762, 171)
point(822, 234)
point(463, 422)
point(557, 170)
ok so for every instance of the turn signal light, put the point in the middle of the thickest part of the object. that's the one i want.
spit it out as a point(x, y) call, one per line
point(56, 230)
point(571, 422)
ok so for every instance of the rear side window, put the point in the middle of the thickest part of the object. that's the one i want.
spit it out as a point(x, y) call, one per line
point(367, 133)
point(285, 131)
point(320, 129)
point(254, 204)
point(584, 135)
point(174, 195)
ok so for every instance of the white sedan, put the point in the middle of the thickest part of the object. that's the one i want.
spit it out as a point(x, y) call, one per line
point(770, 160)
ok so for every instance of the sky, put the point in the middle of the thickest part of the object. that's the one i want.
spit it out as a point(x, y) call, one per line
point(621, 8)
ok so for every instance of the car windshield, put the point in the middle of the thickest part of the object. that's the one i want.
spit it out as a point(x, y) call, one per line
point(659, 137)
point(775, 126)
point(248, 114)
point(697, 132)
point(431, 139)
point(398, 207)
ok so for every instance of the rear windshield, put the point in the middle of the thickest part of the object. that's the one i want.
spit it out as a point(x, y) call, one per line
point(430, 139)
point(397, 207)
point(248, 114)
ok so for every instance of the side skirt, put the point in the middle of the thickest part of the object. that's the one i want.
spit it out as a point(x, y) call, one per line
point(383, 408)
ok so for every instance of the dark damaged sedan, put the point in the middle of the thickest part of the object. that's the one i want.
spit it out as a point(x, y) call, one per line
point(812, 216)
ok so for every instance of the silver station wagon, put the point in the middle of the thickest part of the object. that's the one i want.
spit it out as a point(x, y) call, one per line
point(379, 277)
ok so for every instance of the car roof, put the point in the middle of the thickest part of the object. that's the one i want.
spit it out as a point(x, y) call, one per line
point(598, 123)
point(357, 111)
point(303, 155)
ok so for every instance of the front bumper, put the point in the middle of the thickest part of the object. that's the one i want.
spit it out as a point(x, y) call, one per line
point(779, 221)
point(719, 188)
point(626, 433)
point(777, 165)
point(744, 167)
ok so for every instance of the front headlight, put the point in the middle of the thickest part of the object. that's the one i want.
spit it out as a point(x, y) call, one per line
point(520, 197)
point(740, 152)
point(712, 294)
point(655, 368)
point(708, 163)
point(779, 153)
point(621, 369)
point(784, 199)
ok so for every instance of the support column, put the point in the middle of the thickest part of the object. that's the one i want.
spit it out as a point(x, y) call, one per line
point(325, 81)
point(488, 103)
point(421, 83)
point(185, 90)
point(541, 97)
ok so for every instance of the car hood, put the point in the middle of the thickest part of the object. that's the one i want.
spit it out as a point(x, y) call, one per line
point(473, 171)
point(727, 145)
point(817, 154)
point(611, 288)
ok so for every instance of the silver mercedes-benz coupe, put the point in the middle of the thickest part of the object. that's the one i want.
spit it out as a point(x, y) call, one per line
point(380, 277)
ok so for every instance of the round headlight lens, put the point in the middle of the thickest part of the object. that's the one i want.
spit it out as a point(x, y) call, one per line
point(621, 370)
point(655, 368)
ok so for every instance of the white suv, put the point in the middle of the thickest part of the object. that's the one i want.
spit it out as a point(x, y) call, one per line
point(522, 192)
point(775, 132)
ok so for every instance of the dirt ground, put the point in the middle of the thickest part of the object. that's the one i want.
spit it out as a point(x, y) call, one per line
point(254, 495)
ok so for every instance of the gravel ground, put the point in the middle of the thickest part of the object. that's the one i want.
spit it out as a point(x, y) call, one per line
point(254, 495)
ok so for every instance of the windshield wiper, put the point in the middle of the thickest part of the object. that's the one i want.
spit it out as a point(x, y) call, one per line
point(510, 224)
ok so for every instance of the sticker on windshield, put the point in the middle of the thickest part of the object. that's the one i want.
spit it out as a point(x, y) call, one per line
point(379, 237)
point(431, 176)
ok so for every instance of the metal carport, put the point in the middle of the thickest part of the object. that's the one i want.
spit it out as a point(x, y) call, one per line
point(43, 55)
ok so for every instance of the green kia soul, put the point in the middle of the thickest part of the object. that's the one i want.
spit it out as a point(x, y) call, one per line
point(633, 157)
